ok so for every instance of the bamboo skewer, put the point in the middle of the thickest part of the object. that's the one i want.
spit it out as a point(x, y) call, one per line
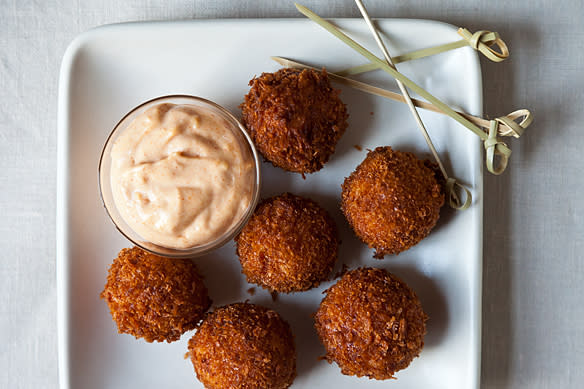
point(482, 41)
point(453, 199)
point(367, 67)
point(493, 146)
point(506, 128)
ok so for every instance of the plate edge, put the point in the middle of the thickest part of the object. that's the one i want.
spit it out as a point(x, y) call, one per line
point(62, 211)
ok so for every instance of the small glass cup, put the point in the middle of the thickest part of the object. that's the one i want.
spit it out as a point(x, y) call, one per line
point(105, 187)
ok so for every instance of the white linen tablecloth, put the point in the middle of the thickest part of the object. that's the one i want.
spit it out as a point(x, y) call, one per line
point(533, 317)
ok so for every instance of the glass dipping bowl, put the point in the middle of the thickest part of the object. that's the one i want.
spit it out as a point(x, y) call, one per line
point(105, 186)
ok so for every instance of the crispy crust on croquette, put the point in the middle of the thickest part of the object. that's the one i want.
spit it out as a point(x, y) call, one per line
point(154, 298)
point(290, 244)
point(295, 118)
point(392, 200)
point(244, 346)
point(371, 324)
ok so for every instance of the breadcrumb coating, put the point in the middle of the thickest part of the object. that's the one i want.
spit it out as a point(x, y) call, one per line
point(295, 118)
point(392, 200)
point(371, 324)
point(244, 346)
point(290, 244)
point(154, 298)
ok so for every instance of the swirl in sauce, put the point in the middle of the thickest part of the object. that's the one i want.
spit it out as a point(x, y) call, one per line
point(180, 177)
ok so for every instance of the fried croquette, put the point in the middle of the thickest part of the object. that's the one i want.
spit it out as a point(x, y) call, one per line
point(243, 346)
point(295, 118)
point(154, 298)
point(290, 244)
point(392, 200)
point(371, 324)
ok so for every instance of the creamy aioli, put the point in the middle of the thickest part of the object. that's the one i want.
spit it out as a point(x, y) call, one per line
point(180, 177)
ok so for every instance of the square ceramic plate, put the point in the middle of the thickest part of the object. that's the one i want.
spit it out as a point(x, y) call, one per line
point(109, 70)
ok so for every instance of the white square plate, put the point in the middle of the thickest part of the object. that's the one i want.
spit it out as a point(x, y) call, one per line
point(109, 70)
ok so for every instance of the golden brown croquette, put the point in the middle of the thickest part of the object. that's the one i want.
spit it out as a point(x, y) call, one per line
point(290, 244)
point(392, 200)
point(371, 324)
point(154, 298)
point(295, 118)
point(244, 346)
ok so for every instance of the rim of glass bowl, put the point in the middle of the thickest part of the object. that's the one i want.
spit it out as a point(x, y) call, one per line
point(112, 210)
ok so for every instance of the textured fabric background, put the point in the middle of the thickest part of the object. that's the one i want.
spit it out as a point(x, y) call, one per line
point(533, 317)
